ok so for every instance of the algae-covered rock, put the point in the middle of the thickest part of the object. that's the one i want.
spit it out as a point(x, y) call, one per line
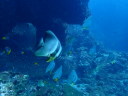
point(70, 91)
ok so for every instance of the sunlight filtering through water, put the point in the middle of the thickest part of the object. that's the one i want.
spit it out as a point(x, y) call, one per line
point(109, 23)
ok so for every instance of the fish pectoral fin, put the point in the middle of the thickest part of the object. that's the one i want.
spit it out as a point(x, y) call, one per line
point(41, 43)
point(49, 55)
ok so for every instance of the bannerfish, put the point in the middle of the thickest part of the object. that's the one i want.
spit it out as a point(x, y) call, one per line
point(24, 36)
point(49, 46)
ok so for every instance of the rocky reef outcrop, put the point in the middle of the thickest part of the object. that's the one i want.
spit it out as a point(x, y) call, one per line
point(44, 14)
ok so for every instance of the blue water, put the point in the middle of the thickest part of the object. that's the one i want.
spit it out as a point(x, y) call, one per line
point(110, 23)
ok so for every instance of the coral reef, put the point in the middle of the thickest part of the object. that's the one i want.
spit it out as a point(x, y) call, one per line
point(17, 84)
point(100, 72)
point(104, 72)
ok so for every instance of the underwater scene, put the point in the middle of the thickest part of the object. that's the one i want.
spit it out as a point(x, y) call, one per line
point(63, 48)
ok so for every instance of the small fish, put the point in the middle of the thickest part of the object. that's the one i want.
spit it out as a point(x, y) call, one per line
point(41, 83)
point(45, 82)
point(22, 52)
point(5, 38)
point(69, 53)
point(56, 79)
point(2, 53)
point(85, 28)
point(57, 74)
point(113, 62)
point(35, 63)
point(8, 50)
point(72, 84)
point(72, 77)
point(50, 67)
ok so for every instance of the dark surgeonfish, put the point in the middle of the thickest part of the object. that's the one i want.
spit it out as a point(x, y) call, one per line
point(49, 46)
